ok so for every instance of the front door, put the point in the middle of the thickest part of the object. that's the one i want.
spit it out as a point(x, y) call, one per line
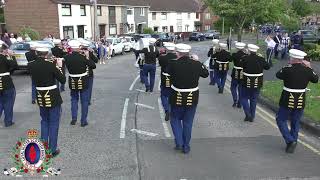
point(102, 30)
point(81, 31)
point(171, 28)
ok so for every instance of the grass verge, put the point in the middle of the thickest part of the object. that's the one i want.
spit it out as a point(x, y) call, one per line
point(272, 91)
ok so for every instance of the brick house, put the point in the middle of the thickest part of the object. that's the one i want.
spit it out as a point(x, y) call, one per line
point(207, 17)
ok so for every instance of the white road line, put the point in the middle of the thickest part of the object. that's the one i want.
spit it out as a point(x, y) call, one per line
point(144, 132)
point(124, 119)
point(134, 82)
point(143, 105)
point(140, 90)
point(164, 124)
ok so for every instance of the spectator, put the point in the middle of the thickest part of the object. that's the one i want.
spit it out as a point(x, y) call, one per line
point(271, 45)
point(297, 41)
point(277, 38)
point(12, 38)
point(285, 42)
point(6, 39)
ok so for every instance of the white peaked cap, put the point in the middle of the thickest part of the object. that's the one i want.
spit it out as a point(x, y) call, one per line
point(183, 48)
point(253, 48)
point(42, 49)
point(295, 53)
point(34, 44)
point(240, 45)
point(169, 46)
point(152, 40)
point(74, 44)
point(56, 41)
point(215, 41)
point(223, 45)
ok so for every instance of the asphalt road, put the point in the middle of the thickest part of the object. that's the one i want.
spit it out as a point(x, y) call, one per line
point(129, 141)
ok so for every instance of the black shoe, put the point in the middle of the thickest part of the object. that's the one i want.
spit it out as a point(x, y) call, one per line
point(247, 118)
point(33, 102)
point(251, 119)
point(234, 105)
point(167, 118)
point(73, 122)
point(9, 124)
point(178, 148)
point(239, 105)
point(84, 125)
point(56, 153)
point(147, 90)
point(291, 147)
point(220, 90)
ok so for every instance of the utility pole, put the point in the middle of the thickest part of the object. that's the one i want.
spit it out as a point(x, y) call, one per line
point(95, 21)
point(222, 26)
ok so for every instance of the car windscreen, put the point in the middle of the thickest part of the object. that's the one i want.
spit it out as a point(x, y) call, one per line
point(20, 46)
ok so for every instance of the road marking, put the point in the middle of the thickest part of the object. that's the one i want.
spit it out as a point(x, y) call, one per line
point(164, 124)
point(134, 82)
point(145, 106)
point(144, 132)
point(124, 119)
point(271, 117)
point(140, 90)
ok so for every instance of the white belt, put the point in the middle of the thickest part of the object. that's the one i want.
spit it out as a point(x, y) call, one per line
point(184, 90)
point(46, 88)
point(220, 62)
point(252, 75)
point(4, 74)
point(78, 75)
point(165, 74)
point(294, 90)
point(236, 67)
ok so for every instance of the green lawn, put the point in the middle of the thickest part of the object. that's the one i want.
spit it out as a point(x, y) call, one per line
point(272, 91)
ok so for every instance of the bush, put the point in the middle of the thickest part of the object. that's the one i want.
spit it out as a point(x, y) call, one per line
point(148, 31)
point(309, 46)
point(27, 31)
point(314, 53)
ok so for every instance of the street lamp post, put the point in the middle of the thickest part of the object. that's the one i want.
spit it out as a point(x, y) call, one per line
point(95, 20)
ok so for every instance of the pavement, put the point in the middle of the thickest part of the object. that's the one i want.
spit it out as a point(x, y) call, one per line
point(128, 139)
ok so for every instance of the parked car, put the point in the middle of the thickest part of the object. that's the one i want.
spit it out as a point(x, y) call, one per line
point(128, 42)
point(19, 49)
point(309, 36)
point(116, 46)
point(161, 38)
point(90, 43)
point(197, 36)
point(212, 34)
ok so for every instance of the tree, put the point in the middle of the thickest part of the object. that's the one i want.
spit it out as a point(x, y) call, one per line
point(301, 7)
point(27, 31)
point(148, 31)
point(241, 12)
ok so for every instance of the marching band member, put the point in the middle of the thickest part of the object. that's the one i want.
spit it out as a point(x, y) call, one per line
point(295, 77)
point(212, 54)
point(45, 73)
point(59, 52)
point(221, 66)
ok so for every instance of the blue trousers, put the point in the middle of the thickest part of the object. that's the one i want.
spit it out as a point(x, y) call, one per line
point(7, 99)
point(50, 118)
point(181, 123)
point(165, 94)
point(149, 71)
point(294, 115)
point(33, 91)
point(249, 95)
point(90, 86)
point(141, 74)
point(212, 78)
point(84, 98)
point(220, 78)
point(235, 90)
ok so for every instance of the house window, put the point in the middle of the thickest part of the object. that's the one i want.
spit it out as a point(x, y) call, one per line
point(83, 10)
point(155, 29)
point(99, 12)
point(163, 16)
point(179, 29)
point(129, 11)
point(207, 27)
point(164, 28)
point(66, 10)
point(179, 15)
point(187, 28)
point(189, 15)
point(141, 11)
point(197, 15)
point(112, 29)
point(112, 11)
point(154, 16)
point(68, 32)
point(208, 16)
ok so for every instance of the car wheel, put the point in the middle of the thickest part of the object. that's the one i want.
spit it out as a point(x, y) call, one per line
point(113, 53)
